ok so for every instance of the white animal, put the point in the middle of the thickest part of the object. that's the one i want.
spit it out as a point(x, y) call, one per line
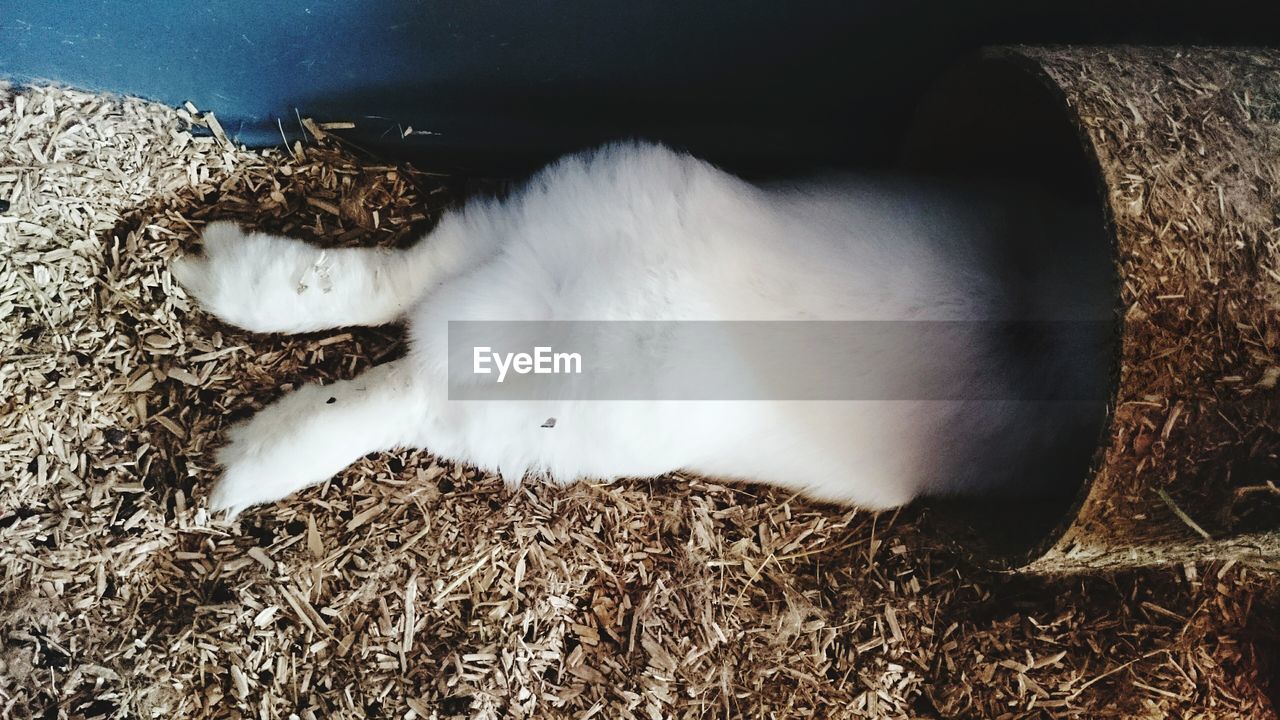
point(640, 232)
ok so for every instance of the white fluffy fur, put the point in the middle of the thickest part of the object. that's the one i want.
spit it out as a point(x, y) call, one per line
point(625, 232)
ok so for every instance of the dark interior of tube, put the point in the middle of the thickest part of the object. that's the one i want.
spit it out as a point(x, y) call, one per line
point(999, 120)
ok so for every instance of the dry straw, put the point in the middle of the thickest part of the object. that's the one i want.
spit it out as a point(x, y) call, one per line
point(413, 588)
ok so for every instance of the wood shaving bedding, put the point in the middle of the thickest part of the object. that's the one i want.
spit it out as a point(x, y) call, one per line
point(414, 588)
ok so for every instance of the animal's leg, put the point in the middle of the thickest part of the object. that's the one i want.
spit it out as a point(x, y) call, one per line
point(266, 283)
point(309, 435)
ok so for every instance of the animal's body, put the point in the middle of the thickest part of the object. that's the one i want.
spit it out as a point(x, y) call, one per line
point(640, 232)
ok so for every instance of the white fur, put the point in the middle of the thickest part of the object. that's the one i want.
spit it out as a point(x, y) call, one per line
point(628, 232)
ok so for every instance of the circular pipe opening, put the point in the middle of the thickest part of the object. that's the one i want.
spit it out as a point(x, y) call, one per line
point(999, 120)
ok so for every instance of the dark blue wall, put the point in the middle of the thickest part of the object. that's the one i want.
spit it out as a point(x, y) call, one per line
point(495, 84)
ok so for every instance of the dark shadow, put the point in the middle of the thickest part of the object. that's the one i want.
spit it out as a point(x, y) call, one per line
point(494, 88)
point(996, 120)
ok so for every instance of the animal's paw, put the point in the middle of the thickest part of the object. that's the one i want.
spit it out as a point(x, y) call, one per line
point(256, 470)
point(252, 280)
point(203, 277)
point(300, 440)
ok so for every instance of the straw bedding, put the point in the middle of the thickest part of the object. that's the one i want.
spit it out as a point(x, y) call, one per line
point(413, 588)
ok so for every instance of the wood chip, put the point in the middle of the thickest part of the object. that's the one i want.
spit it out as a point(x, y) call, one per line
point(408, 585)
